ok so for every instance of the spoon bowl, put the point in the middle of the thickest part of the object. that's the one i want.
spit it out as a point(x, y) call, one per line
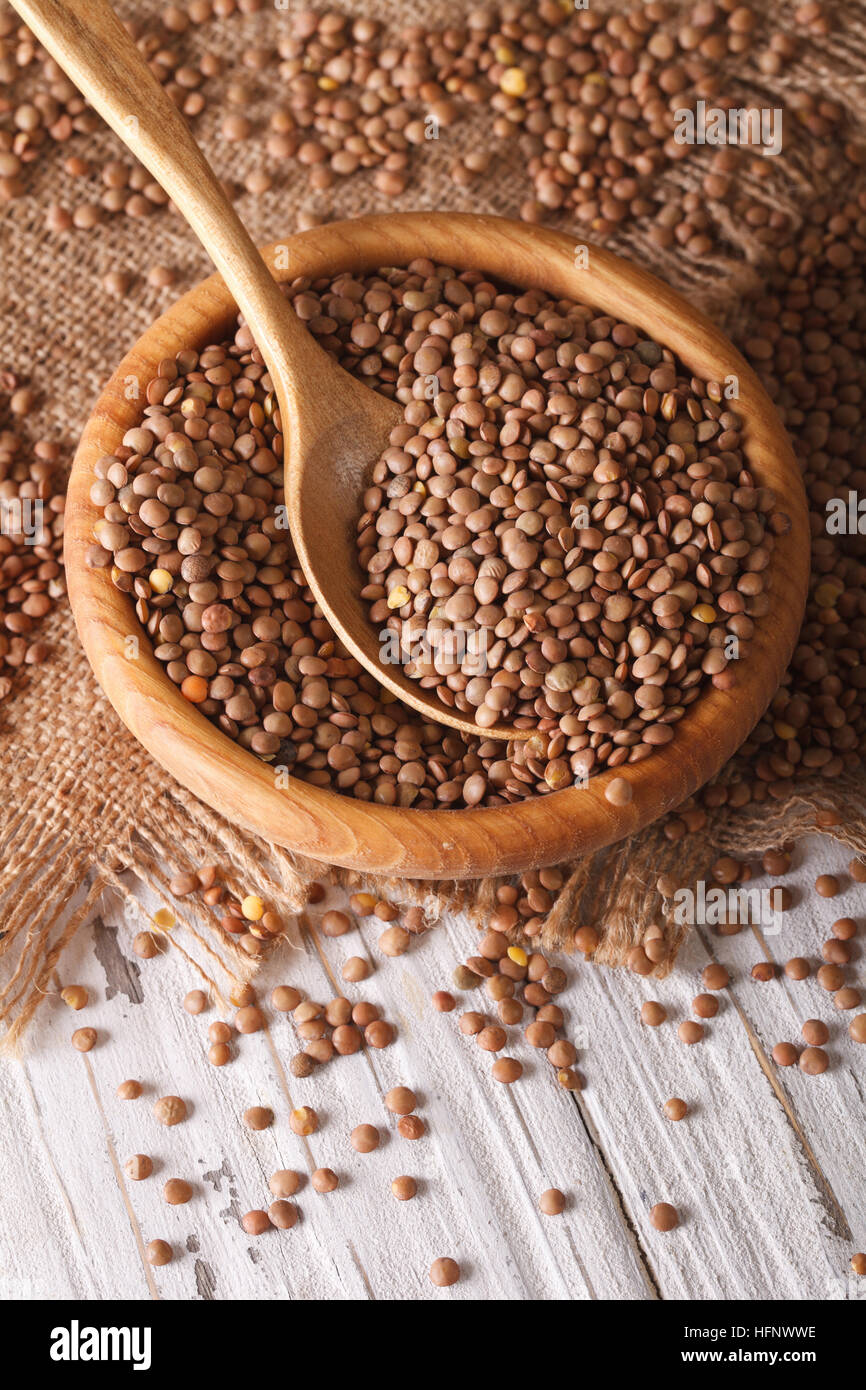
point(439, 844)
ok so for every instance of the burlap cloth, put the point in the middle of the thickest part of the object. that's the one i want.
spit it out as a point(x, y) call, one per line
point(83, 806)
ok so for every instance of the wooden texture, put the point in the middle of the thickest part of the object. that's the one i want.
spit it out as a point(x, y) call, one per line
point(431, 844)
point(767, 1170)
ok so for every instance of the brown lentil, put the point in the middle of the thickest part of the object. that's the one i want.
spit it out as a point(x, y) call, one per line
point(258, 1117)
point(705, 1006)
point(355, 969)
point(830, 977)
point(379, 1033)
point(284, 1183)
point(844, 928)
point(400, 1100)
point(138, 1167)
point(177, 1192)
point(664, 1217)
point(281, 1214)
point(249, 1019)
point(785, 1054)
point(394, 941)
point(74, 996)
point(552, 1202)
point(146, 946)
point(324, 1180)
point(365, 1138)
point(170, 1110)
point(411, 1127)
point(652, 1013)
point(715, 977)
point(798, 968)
point(507, 1070)
point(827, 885)
point(158, 1252)
point(336, 923)
point(690, 1032)
point(847, 998)
point(444, 1272)
point(443, 1002)
point(814, 1061)
point(404, 1188)
point(764, 970)
point(303, 1120)
point(815, 1031)
point(256, 1222)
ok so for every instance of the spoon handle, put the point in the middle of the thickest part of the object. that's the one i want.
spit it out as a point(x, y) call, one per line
point(90, 44)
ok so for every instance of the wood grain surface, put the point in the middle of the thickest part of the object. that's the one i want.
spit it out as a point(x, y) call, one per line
point(767, 1170)
point(432, 844)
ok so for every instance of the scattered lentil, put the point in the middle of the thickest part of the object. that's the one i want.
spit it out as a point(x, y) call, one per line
point(365, 1138)
point(170, 1110)
point(177, 1192)
point(324, 1180)
point(256, 1222)
point(258, 1117)
point(664, 1217)
point(138, 1167)
point(158, 1252)
point(444, 1272)
point(552, 1202)
point(281, 1214)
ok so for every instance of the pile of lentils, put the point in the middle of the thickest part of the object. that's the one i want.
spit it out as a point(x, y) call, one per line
point(31, 533)
point(611, 631)
point(587, 98)
point(560, 498)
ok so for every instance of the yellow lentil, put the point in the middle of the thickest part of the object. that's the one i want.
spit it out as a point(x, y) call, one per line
point(513, 82)
point(160, 581)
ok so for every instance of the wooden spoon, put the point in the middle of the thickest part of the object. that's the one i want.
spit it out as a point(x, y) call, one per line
point(334, 426)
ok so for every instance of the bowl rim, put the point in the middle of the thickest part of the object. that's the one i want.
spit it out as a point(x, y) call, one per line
point(444, 843)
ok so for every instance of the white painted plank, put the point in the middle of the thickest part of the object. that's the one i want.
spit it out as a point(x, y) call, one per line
point(756, 1223)
point(755, 1218)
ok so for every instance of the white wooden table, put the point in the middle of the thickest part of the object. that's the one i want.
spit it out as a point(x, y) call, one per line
point(768, 1170)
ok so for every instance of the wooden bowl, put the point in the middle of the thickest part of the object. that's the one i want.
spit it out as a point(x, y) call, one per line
point(455, 843)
